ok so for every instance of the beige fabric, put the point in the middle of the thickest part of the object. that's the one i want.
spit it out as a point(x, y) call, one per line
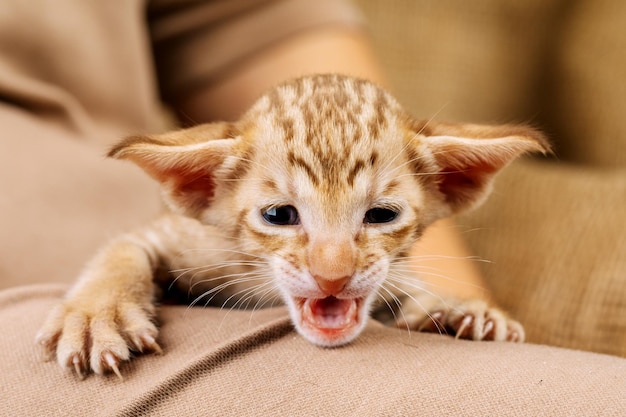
point(554, 232)
point(584, 93)
point(558, 244)
point(477, 61)
point(73, 72)
point(62, 63)
point(242, 363)
point(202, 42)
point(60, 200)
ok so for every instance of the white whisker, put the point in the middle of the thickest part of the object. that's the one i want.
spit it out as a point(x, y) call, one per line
point(398, 304)
point(421, 306)
point(245, 278)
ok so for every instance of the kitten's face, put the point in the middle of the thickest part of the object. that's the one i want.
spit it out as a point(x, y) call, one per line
point(330, 200)
point(330, 181)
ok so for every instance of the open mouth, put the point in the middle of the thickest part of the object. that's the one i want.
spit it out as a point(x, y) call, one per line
point(329, 321)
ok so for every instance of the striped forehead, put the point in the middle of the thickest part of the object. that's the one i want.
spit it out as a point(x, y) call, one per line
point(330, 131)
point(329, 111)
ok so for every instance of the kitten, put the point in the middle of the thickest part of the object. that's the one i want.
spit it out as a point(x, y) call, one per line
point(314, 196)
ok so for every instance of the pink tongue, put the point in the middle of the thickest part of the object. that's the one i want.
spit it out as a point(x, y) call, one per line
point(332, 313)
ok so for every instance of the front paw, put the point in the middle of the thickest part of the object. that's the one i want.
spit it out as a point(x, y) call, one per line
point(86, 336)
point(467, 319)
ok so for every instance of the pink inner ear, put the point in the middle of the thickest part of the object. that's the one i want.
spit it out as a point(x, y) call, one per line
point(467, 164)
point(460, 186)
point(192, 191)
point(466, 173)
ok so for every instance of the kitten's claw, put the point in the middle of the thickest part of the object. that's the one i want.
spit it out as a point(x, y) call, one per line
point(97, 340)
point(46, 348)
point(146, 343)
point(433, 324)
point(513, 337)
point(489, 327)
point(515, 332)
point(112, 362)
point(472, 319)
point(149, 344)
point(463, 327)
point(78, 366)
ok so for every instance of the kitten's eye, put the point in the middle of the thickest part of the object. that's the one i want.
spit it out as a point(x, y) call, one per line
point(281, 216)
point(380, 215)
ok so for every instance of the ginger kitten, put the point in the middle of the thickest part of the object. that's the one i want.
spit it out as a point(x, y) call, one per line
point(313, 197)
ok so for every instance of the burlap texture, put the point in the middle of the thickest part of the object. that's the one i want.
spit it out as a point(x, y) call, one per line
point(242, 363)
point(557, 242)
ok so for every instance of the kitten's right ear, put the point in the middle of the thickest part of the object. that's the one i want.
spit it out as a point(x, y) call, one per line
point(183, 161)
point(467, 157)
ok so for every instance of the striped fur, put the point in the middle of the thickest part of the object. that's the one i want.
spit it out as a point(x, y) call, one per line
point(311, 199)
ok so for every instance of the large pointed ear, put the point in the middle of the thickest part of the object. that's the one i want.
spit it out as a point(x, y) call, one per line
point(183, 161)
point(467, 157)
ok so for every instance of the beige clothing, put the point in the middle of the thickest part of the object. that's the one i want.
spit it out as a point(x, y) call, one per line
point(239, 363)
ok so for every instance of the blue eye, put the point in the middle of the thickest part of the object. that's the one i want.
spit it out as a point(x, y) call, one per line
point(380, 215)
point(281, 216)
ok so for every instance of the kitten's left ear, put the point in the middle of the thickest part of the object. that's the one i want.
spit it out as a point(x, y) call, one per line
point(467, 157)
point(183, 161)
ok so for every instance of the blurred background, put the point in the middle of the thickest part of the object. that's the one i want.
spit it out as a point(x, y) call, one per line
point(554, 230)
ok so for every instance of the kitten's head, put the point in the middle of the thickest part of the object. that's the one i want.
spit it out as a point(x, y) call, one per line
point(329, 180)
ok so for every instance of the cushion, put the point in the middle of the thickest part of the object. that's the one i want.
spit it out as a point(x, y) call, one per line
point(253, 363)
point(556, 239)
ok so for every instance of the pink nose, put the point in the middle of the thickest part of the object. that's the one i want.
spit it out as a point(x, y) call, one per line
point(331, 286)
